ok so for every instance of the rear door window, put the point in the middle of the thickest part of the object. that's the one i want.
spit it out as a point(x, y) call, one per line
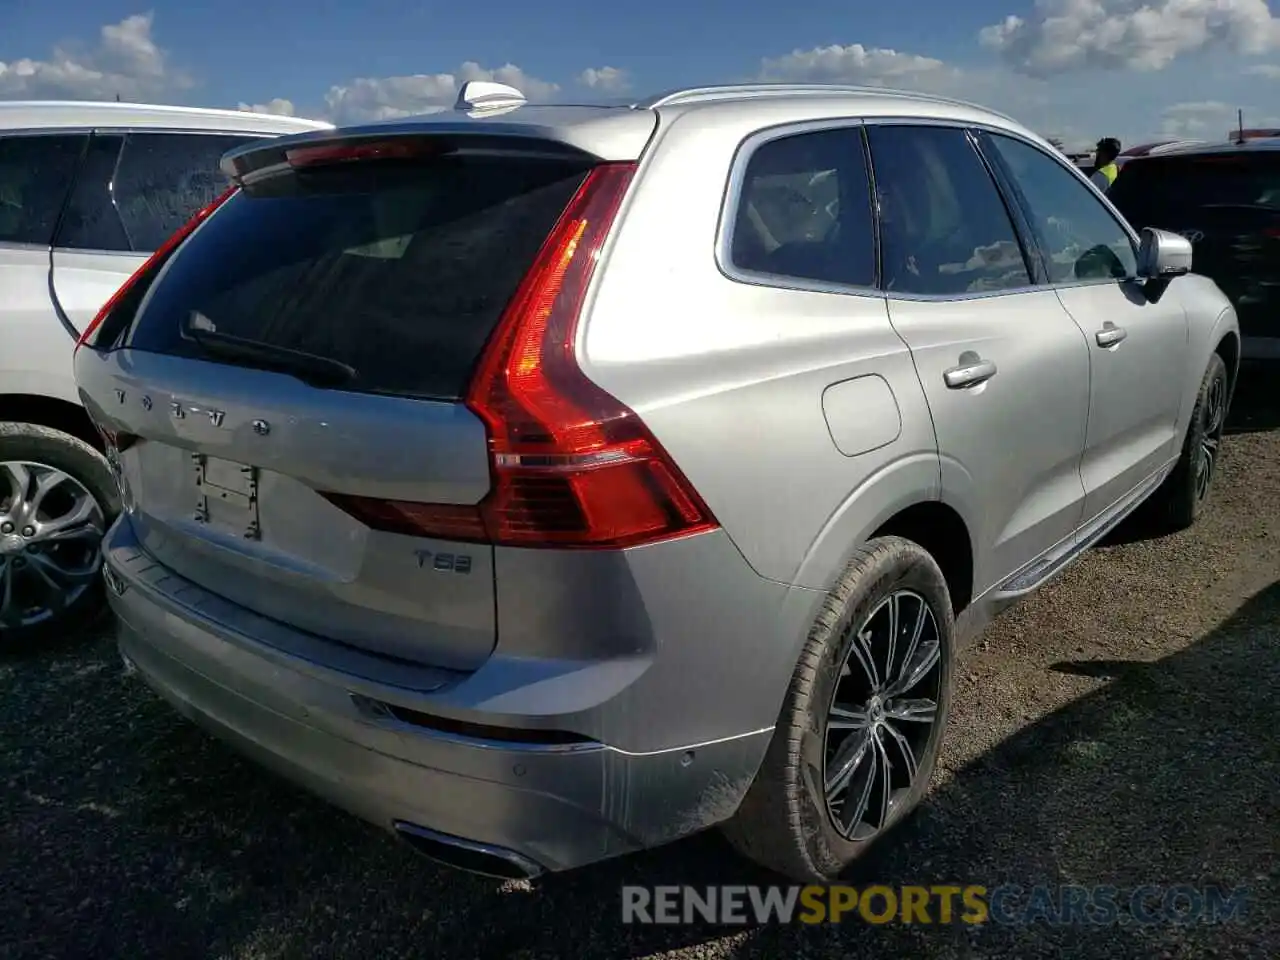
point(164, 178)
point(944, 227)
point(398, 270)
point(804, 210)
point(91, 220)
point(35, 176)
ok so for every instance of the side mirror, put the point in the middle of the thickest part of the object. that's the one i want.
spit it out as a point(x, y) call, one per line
point(1163, 255)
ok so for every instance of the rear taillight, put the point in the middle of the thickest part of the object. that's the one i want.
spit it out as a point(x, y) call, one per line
point(152, 263)
point(571, 465)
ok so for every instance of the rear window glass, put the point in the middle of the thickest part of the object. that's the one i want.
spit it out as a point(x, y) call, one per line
point(1151, 192)
point(35, 175)
point(400, 271)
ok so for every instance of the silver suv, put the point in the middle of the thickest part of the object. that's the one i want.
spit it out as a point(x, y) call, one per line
point(549, 482)
point(87, 192)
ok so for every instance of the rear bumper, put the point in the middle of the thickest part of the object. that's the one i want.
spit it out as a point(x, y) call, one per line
point(546, 805)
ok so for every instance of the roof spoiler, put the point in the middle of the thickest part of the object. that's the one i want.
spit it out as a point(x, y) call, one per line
point(255, 162)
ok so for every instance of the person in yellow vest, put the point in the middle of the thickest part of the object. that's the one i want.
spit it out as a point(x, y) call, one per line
point(1105, 170)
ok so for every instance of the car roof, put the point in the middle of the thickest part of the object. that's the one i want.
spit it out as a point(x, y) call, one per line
point(1223, 148)
point(73, 114)
point(620, 131)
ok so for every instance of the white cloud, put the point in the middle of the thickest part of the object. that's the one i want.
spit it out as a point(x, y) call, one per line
point(894, 69)
point(1268, 70)
point(605, 79)
point(1209, 119)
point(870, 66)
point(126, 62)
point(1063, 35)
point(370, 98)
point(276, 105)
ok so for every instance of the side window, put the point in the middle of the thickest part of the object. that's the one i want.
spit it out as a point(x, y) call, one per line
point(35, 175)
point(164, 178)
point(944, 229)
point(804, 210)
point(1080, 237)
point(91, 221)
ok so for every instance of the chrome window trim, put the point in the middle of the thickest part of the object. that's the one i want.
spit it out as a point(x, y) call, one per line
point(95, 252)
point(83, 129)
point(187, 131)
point(733, 193)
point(738, 166)
point(80, 131)
point(20, 246)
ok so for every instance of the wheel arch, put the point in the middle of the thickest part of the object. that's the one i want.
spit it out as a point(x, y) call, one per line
point(1228, 348)
point(70, 418)
point(940, 530)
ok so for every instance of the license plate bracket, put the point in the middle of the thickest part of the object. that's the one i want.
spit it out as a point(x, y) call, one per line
point(226, 495)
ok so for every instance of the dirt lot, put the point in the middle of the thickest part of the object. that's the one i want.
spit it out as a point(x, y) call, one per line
point(1117, 729)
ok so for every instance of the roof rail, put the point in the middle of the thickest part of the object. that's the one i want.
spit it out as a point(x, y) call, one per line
point(747, 91)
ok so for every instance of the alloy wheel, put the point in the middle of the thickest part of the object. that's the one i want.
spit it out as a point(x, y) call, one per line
point(51, 531)
point(883, 715)
point(1215, 415)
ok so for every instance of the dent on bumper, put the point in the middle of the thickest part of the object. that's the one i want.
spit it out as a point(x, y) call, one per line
point(559, 805)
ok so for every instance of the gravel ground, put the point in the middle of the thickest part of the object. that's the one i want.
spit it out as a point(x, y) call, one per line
point(1116, 729)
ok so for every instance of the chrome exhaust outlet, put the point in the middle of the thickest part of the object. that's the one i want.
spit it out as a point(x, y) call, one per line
point(467, 855)
point(113, 581)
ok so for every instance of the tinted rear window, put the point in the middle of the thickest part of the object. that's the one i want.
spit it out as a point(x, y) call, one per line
point(400, 271)
point(1155, 191)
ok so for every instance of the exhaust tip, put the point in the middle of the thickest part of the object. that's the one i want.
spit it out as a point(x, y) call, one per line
point(467, 855)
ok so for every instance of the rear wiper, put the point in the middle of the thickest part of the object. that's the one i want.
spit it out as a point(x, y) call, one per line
point(310, 369)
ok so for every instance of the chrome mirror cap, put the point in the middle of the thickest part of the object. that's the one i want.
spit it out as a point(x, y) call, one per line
point(1163, 254)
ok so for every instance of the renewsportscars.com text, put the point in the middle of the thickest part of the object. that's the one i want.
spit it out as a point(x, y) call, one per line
point(1009, 904)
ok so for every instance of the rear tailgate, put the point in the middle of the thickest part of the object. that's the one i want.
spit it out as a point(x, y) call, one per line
point(311, 343)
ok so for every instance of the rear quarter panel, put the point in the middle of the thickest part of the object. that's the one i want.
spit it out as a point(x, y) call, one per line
point(730, 376)
point(35, 350)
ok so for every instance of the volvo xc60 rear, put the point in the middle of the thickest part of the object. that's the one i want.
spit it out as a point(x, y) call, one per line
point(547, 483)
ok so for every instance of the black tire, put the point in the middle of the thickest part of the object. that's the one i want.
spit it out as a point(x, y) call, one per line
point(32, 443)
point(785, 822)
point(1180, 500)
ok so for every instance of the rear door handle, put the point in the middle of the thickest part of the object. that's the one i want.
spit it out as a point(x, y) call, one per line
point(970, 373)
point(1110, 335)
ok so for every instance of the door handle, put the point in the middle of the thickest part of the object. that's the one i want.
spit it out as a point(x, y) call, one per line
point(970, 373)
point(1110, 335)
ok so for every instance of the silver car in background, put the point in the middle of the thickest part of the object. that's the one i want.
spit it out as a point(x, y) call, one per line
point(87, 192)
point(546, 483)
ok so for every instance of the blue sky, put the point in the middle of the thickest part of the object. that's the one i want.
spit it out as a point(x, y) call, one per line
point(1079, 69)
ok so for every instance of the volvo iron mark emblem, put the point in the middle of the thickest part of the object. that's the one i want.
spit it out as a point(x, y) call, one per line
point(146, 403)
point(261, 427)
